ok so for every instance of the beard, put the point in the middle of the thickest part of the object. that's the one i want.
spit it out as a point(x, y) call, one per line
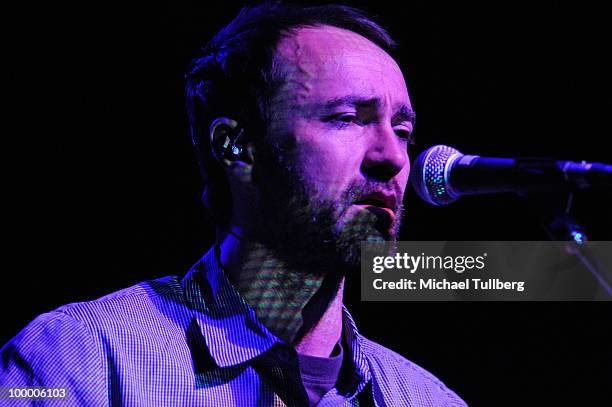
point(312, 228)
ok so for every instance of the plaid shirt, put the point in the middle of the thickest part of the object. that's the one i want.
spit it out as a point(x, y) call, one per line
point(196, 342)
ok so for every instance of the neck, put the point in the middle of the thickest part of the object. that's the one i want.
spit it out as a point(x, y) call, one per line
point(325, 334)
point(301, 308)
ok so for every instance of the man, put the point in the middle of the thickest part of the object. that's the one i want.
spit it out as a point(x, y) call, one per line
point(301, 121)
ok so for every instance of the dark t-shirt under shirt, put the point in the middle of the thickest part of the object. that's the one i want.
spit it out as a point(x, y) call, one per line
point(319, 374)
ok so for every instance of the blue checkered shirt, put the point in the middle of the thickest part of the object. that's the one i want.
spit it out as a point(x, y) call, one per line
point(195, 342)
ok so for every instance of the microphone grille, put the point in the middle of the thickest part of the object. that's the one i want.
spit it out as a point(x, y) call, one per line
point(429, 175)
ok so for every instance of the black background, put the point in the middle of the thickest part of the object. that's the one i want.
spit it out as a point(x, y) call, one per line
point(103, 191)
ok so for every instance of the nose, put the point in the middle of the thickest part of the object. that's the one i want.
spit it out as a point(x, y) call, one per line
point(386, 155)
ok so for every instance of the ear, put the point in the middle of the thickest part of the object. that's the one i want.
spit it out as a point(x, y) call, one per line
point(228, 142)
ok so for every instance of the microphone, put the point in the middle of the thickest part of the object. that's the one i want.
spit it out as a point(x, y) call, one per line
point(441, 175)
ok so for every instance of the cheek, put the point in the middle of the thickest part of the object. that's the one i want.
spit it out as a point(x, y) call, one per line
point(329, 162)
point(404, 176)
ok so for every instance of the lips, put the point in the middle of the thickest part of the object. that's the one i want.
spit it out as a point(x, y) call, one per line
point(381, 204)
point(379, 199)
point(378, 210)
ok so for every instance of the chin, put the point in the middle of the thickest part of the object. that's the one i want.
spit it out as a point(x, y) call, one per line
point(349, 239)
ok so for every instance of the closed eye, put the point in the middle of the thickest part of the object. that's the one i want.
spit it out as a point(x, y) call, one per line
point(345, 117)
point(406, 135)
point(343, 120)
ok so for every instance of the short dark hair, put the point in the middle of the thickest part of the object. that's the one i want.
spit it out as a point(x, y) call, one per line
point(234, 77)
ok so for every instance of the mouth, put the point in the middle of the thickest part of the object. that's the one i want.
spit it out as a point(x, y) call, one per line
point(382, 205)
point(377, 210)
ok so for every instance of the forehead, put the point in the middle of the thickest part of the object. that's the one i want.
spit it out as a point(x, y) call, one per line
point(329, 62)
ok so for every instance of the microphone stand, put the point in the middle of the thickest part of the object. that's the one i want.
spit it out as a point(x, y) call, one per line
point(560, 226)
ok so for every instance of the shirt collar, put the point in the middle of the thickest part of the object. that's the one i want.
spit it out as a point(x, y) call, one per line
point(232, 332)
point(353, 340)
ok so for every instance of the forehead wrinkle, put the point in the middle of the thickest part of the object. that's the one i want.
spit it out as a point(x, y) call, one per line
point(315, 60)
point(401, 111)
point(324, 48)
point(299, 65)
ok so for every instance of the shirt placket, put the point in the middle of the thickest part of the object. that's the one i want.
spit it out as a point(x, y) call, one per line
point(279, 368)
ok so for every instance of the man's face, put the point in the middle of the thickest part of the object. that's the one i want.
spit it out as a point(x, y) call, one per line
point(340, 126)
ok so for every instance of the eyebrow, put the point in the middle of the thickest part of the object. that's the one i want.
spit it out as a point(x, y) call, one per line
point(403, 114)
